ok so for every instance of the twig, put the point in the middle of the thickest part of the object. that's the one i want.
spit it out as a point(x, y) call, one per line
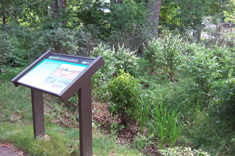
point(19, 22)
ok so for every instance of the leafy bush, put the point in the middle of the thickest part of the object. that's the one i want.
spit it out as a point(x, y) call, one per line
point(124, 97)
point(127, 21)
point(101, 77)
point(6, 48)
point(17, 59)
point(61, 40)
point(88, 39)
point(125, 59)
point(163, 56)
point(114, 61)
point(227, 109)
point(202, 67)
point(93, 14)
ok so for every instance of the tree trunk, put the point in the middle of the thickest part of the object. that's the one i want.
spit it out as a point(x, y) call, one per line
point(154, 7)
point(55, 8)
point(62, 4)
point(62, 10)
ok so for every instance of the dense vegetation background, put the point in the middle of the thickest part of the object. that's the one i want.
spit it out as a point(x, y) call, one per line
point(169, 64)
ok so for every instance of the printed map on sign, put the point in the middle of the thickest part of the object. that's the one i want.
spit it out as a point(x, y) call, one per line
point(52, 75)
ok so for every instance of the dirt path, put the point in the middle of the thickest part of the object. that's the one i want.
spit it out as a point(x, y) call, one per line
point(10, 150)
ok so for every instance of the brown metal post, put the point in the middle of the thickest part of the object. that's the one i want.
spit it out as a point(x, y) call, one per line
point(38, 113)
point(85, 119)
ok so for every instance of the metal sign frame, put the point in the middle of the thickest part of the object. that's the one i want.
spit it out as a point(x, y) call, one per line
point(81, 84)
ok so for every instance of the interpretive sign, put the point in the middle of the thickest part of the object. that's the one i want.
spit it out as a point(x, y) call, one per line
point(54, 73)
point(62, 75)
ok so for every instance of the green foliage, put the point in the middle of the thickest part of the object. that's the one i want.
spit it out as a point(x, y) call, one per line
point(114, 61)
point(61, 40)
point(127, 22)
point(92, 14)
point(6, 47)
point(184, 14)
point(102, 76)
point(164, 125)
point(202, 67)
point(124, 97)
point(180, 151)
point(163, 56)
point(16, 59)
point(227, 109)
point(88, 39)
point(125, 59)
point(230, 13)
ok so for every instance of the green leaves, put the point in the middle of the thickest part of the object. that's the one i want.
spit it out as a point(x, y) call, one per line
point(6, 48)
point(164, 125)
point(163, 56)
point(124, 97)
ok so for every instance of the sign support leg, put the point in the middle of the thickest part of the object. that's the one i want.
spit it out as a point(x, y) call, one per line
point(85, 119)
point(38, 113)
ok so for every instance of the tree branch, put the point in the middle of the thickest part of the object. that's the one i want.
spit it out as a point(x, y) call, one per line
point(19, 22)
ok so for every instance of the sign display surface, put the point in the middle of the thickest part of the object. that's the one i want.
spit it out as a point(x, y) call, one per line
point(55, 73)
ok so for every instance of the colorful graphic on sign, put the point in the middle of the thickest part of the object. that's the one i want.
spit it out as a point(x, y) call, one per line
point(53, 75)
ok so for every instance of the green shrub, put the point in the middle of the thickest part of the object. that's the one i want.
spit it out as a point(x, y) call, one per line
point(124, 97)
point(17, 59)
point(88, 39)
point(61, 40)
point(114, 61)
point(101, 77)
point(225, 59)
point(227, 108)
point(125, 59)
point(163, 56)
point(91, 13)
point(127, 23)
point(202, 68)
point(6, 48)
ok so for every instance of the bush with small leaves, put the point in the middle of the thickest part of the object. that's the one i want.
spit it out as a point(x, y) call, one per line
point(127, 23)
point(62, 41)
point(124, 97)
point(163, 56)
point(88, 39)
point(101, 77)
point(114, 61)
point(202, 68)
